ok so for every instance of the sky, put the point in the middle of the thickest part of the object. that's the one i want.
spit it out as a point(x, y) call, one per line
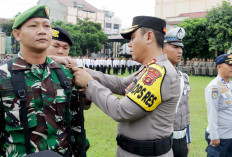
point(123, 9)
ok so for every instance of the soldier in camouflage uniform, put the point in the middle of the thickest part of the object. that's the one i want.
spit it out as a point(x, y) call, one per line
point(196, 69)
point(215, 70)
point(192, 65)
point(200, 67)
point(188, 65)
point(207, 67)
point(211, 67)
point(46, 99)
point(180, 65)
point(203, 67)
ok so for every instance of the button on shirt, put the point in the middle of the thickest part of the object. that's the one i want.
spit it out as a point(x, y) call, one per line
point(219, 109)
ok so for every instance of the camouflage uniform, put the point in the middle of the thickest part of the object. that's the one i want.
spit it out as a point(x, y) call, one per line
point(189, 67)
point(210, 68)
point(203, 68)
point(196, 69)
point(180, 67)
point(200, 67)
point(46, 105)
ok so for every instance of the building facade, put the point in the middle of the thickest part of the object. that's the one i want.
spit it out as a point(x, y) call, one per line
point(71, 10)
point(112, 24)
point(2, 43)
point(173, 8)
point(175, 11)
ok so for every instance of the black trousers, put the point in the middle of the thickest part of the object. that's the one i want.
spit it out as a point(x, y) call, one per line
point(109, 67)
point(180, 147)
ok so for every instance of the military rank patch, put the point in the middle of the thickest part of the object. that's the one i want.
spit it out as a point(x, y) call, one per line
point(214, 93)
point(147, 91)
point(151, 76)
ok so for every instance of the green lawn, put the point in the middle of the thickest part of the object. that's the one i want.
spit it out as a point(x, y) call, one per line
point(102, 130)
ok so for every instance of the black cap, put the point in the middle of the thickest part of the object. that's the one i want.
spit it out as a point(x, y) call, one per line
point(145, 21)
point(61, 35)
point(225, 58)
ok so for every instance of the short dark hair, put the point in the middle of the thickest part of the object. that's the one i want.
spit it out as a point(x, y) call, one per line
point(159, 36)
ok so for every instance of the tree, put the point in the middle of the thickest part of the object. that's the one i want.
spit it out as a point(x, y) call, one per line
point(219, 22)
point(87, 36)
point(7, 27)
point(195, 40)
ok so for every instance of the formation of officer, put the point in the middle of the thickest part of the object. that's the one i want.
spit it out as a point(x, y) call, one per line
point(146, 112)
point(39, 107)
point(181, 136)
point(198, 67)
point(218, 98)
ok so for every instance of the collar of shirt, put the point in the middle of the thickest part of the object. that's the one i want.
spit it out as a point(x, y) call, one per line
point(19, 63)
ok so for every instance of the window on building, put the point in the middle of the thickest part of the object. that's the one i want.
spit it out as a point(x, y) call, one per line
point(108, 25)
point(116, 26)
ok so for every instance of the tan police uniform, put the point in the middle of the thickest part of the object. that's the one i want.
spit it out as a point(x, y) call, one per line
point(135, 119)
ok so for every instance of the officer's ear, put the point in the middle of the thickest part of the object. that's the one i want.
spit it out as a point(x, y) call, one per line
point(150, 37)
point(16, 33)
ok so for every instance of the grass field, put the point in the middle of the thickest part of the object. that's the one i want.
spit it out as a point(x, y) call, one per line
point(102, 130)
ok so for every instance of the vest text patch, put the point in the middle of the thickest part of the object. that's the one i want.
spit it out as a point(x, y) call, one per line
point(147, 91)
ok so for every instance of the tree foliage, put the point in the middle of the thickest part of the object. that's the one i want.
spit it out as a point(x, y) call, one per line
point(209, 36)
point(219, 22)
point(7, 27)
point(87, 36)
point(195, 40)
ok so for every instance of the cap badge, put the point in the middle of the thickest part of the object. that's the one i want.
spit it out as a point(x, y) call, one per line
point(180, 34)
point(164, 30)
point(47, 11)
point(55, 33)
point(135, 26)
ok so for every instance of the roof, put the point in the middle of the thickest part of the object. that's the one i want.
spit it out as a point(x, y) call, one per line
point(2, 20)
point(194, 14)
point(86, 5)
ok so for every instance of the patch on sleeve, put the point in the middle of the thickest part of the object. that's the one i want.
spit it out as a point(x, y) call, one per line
point(151, 75)
point(147, 91)
point(214, 93)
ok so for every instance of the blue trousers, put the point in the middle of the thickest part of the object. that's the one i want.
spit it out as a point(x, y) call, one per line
point(224, 149)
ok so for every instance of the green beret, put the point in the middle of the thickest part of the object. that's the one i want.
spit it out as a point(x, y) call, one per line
point(36, 11)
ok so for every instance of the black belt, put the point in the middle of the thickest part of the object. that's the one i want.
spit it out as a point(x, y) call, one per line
point(145, 147)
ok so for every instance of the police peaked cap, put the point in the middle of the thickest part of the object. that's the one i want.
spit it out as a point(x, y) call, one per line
point(61, 35)
point(145, 21)
point(41, 11)
point(225, 58)
point(175, 36)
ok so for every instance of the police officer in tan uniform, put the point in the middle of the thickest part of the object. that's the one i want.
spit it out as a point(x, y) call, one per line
point(181, 135)
point(146, 112)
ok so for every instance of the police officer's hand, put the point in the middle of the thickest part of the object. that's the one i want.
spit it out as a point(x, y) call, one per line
point(82, 77)
point(215, 143)
point(67, 61)
point(188, 147)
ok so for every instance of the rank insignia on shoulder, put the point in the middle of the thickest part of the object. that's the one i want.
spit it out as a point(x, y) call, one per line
point(151, 76)
point(214, 93)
